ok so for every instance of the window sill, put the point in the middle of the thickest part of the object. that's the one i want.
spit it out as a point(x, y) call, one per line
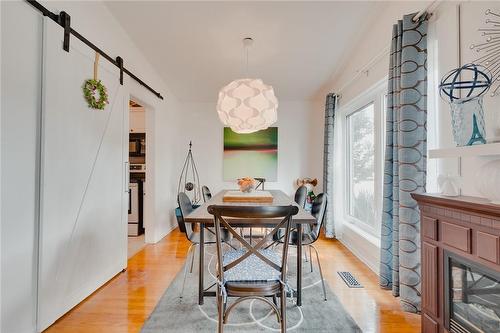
point(369, 237)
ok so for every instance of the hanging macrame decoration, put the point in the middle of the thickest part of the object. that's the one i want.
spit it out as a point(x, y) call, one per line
point(189, 181)
point(94, 91)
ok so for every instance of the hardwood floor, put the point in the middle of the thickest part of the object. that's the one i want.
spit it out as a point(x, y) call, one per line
point(124, 303)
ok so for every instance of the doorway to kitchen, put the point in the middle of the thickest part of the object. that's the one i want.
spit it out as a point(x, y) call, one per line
point(137, 150)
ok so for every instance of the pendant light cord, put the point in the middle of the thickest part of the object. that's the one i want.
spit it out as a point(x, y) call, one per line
point(247, 47)
point(247, 42)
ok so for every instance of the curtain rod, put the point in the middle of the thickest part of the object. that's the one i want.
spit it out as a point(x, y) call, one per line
point(428, 9)
point(364, 70)
point(64, 20)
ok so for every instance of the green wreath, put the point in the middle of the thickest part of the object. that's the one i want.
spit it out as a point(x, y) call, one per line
point(90, 88)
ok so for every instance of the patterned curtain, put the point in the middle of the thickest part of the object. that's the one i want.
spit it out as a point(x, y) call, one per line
point(405, 161)
point(331, 103)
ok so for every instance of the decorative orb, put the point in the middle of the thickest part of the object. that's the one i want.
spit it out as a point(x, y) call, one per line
point(189, 186)
point(247, 105)
point(466, 82)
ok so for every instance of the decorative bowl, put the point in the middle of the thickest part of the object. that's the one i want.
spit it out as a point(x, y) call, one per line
point(246, 184)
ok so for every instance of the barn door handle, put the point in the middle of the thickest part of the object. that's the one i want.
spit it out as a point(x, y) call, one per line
point(127, 177)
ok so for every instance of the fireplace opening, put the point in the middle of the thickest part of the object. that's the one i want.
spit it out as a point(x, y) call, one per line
point(472, 296)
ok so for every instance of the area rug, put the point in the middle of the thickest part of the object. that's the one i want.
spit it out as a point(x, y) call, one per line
point(175, 314)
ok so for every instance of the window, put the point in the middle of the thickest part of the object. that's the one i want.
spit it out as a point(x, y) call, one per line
point(361, 149)
point(363, 136)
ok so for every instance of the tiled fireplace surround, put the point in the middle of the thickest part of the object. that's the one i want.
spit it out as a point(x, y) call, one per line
point(462, 230)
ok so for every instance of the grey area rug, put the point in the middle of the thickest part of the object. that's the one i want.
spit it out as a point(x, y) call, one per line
point(175, 314)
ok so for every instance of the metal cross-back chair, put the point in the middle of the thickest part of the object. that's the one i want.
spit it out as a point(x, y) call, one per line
point(301, 196)
point(260, 183)
point(207, 195)
point(310, 235)
point(186, 207)
point(253, 272)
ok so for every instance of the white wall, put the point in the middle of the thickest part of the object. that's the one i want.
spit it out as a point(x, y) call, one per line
point(375, 40)
point(443, 50)
point(472, 17)
point(300, 144)
point(20, 109)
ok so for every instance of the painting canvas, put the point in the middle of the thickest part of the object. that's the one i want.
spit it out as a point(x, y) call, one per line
point(251, 155)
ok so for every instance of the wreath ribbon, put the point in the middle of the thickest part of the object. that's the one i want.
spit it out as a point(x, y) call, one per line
point(96, 65)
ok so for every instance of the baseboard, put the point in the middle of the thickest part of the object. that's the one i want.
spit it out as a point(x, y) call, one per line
point(366, 251)
point(163, 234)
point(172, 228)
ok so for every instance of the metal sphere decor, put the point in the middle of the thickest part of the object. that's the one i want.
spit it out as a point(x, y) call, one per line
point(189, 186)
point(465, 82)
point(247, 105)
point(464, 88)
point(189, 180)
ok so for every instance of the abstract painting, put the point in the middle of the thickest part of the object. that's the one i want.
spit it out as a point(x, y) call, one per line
point(251, 155)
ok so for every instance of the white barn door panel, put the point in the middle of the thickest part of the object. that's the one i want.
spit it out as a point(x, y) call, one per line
point(83, 227)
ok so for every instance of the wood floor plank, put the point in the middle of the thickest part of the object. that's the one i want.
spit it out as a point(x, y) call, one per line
point(124, 303)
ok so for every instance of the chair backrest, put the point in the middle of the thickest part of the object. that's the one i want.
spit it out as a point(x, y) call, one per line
point(186, 208)
point(207, 195)
point(318, 210)
point(301, 196)
point(261, 182)
point(220, 214)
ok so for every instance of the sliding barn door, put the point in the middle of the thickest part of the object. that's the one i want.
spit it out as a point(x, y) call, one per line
point(83, 227)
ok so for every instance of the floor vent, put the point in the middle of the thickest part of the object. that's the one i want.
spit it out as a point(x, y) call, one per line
point(350, 280)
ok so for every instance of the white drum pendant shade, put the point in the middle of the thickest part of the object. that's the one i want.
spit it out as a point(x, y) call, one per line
point(247, 105)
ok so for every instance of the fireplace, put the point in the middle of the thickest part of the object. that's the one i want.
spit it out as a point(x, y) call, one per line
point(472, 296)
point(460, 271)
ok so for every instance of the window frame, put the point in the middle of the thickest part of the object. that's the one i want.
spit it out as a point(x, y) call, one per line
point(375, 95)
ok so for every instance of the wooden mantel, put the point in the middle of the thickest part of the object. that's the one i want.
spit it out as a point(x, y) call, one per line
point(471, 204)
point(465, 226)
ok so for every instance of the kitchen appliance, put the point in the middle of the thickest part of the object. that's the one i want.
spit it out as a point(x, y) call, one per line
point(137, 144)
point(135, 208)
point(137, 167)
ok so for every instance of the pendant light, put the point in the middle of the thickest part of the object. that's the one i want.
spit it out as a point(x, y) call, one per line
point(247, 105)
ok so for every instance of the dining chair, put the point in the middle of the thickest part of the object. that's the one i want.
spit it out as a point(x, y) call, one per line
point(253, 272)
point(193, 237)
point(207, 195)
point(309, 235)
point(301, 196)
point(300, 199)
point(261, 182)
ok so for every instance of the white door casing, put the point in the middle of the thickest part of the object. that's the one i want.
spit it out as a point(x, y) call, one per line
point(83, 209)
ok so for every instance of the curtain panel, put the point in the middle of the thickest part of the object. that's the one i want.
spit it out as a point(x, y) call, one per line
point(330, 106)
point(405, 161)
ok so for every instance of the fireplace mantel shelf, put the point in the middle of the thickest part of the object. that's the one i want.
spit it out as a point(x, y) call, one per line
point(471, 204)
point(490, 149)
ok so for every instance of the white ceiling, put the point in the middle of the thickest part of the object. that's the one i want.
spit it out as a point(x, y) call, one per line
point(196, 46)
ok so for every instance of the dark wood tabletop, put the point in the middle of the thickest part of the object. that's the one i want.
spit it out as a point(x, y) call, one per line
point(201, 215)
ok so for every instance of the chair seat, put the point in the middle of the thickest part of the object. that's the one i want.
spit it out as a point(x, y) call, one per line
point(210, 237)
point(253, 288)
point(252, 269)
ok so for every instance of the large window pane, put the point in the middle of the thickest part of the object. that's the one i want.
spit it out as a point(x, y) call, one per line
point(361, 165)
